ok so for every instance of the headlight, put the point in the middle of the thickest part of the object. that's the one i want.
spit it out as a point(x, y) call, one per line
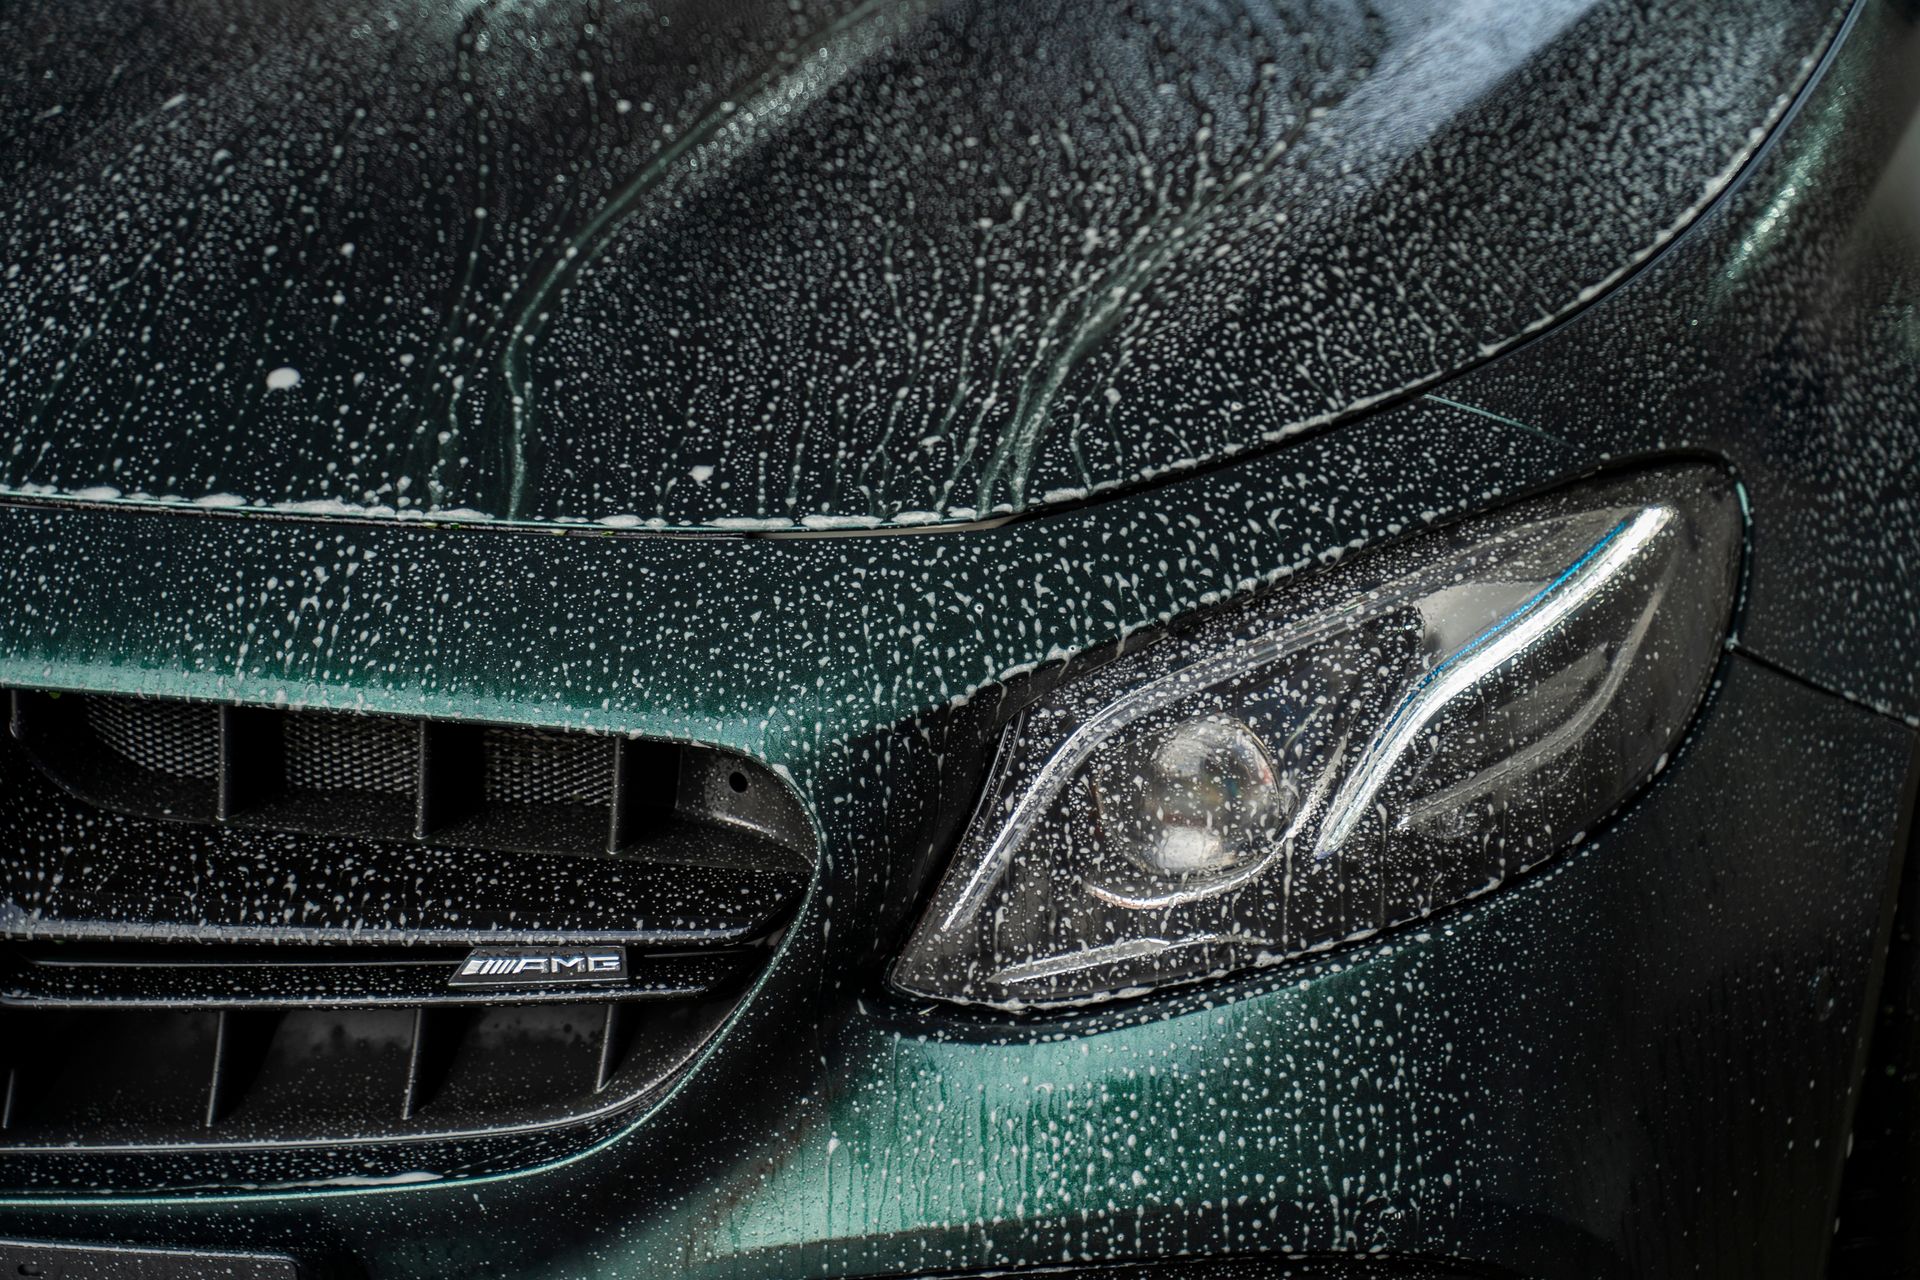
point(1354, 752)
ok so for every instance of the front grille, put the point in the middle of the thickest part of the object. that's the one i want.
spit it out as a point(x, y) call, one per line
point(227, 934)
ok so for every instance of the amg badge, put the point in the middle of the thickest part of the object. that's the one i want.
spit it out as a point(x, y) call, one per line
point(540, 966)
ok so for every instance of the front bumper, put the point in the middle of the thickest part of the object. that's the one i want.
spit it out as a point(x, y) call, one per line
point(1642, 1060)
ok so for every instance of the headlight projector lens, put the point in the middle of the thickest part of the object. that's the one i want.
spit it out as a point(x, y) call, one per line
point(1205, 800)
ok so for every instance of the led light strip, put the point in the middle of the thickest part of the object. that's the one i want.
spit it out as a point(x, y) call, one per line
point(1487, 652)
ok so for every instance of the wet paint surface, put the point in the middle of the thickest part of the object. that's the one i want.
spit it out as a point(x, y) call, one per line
point(1635, 1063)
point(753, 267)
point(1668, 1018)
point(1418, 1096)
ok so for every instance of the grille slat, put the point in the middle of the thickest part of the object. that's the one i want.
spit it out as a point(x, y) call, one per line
point(211, 976)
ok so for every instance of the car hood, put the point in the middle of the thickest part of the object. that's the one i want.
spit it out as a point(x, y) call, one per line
point(746, 267)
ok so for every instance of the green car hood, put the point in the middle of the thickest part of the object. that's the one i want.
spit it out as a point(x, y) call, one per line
point(740, 266)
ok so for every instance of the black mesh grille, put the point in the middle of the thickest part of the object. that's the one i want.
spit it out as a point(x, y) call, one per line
point(179, 739)
point(533, 768)
point(341, 773)
point(351, 753)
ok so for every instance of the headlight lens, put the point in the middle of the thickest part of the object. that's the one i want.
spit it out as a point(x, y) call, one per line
point(1351, 753)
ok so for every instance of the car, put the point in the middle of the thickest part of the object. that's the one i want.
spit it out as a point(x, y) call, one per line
point(939, 639)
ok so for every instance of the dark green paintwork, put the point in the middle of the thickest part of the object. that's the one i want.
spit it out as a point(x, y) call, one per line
point(1638, 1062)
point(842, 263)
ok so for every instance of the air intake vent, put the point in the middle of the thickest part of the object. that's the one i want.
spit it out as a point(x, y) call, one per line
point(328, 773)
point(263, 945)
